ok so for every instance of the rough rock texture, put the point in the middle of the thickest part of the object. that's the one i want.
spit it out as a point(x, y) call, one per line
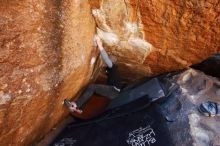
point(45, 52)
point(196, 88)
point(155, 36)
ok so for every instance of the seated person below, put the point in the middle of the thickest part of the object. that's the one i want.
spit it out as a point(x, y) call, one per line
point(111, 90)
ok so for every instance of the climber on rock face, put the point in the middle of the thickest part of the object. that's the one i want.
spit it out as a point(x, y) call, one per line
point(111, 90)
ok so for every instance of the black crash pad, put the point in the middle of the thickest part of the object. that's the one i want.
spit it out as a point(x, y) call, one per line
point(134, 122)
point(145, 127)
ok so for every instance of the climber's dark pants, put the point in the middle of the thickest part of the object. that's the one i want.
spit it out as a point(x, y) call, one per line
point(107, 91)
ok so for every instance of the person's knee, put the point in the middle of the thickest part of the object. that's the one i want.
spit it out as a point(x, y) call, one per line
point(91, 86)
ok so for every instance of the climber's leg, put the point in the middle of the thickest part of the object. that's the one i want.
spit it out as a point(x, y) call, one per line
point(103, 90)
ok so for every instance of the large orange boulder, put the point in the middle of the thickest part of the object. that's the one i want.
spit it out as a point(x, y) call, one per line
point(45, 53)
point(46, 50)
point(155, 36)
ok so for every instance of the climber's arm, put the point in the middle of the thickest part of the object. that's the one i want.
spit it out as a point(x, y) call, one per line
point(103, 53)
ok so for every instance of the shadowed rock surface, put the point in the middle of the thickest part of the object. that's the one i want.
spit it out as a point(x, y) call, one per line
point(190, 126)
point(184, 91)
point(210, 66)
point(46, 49)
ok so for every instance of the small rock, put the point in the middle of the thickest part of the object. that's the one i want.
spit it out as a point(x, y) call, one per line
point(186, 77)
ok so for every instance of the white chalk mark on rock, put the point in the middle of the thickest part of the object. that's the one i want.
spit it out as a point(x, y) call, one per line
point(108, 37)
point(4, 97)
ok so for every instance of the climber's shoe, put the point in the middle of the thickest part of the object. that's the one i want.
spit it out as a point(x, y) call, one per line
point(67, 102)
point(209, 109)
point(72, 106)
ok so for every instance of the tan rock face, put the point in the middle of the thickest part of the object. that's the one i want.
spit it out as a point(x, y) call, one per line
point(44, 57)
point(46, 49)
point(157, 36)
